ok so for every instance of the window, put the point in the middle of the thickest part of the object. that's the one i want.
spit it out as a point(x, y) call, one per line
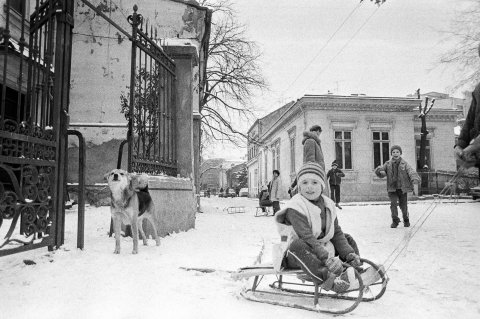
point(292, 154)
point(381, 148)
point(428, 161)
point(276, 156)
point(343, 149)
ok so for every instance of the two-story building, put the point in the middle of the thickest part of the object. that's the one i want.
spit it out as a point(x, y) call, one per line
point(357, 132)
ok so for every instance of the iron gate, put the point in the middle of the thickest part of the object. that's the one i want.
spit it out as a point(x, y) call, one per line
point(151, 107)
point(34, 79)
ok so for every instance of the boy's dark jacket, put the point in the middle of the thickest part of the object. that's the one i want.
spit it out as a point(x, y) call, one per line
point(334, 176)
point(406, 175)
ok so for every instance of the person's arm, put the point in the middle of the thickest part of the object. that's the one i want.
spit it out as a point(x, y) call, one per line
point(381, 170)
point(464, 138)
point(340, 173)
point(300, 224)
point(412, 174)
point(340, 242)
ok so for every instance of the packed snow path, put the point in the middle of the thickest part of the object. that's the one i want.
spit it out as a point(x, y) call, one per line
point(436, 276)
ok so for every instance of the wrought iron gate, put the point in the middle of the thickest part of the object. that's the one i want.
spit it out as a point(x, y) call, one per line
point(151, 106)
point(34, 79)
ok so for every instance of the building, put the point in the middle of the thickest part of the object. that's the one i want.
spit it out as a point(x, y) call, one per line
point(358, 132)
point(219, 173)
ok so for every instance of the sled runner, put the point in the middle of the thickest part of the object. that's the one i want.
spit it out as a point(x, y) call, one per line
point(300, 291)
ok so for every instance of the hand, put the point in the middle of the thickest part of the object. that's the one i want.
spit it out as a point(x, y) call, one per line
point(464, 159)
point(354, 260)
point(334, 265)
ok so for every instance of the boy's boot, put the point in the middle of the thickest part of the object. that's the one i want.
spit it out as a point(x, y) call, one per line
point(406, 222)
point(394, 224)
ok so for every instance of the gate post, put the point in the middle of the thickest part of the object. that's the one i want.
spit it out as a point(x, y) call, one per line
point(63, 53)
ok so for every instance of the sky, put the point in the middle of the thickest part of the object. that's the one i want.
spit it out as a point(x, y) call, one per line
point(342, 46)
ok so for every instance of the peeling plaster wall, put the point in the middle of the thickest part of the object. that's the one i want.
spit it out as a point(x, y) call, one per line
point(101, 57)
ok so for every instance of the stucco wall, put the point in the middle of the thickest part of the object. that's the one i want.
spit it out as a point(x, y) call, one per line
point(360, 183)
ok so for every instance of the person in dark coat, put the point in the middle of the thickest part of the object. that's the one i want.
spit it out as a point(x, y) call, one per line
point(312, 152)
point(467, 148)
point(334, 177)
point(400, 178)
point(264, 199)
point(309, 226)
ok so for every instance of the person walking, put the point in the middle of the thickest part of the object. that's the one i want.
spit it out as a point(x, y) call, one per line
point(334, 177)
point(275, 191)
point(400, 178)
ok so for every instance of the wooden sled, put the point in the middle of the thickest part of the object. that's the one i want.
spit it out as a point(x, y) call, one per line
point(303, 293)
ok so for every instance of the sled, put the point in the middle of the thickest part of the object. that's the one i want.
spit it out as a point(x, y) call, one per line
point(235, 210)
point(299, 291)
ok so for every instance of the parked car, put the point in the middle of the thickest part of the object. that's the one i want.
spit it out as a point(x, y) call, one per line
point(243, 192)
point(230, 193)
point(475, 192)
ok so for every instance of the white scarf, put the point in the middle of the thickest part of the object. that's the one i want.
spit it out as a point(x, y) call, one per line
point(312, 212)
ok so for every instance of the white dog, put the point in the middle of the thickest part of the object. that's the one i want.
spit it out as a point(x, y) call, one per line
point(131, 204)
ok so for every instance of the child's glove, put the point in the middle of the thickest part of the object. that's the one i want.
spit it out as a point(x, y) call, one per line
point(321, 253)
point(334, 265)
point(354, 260)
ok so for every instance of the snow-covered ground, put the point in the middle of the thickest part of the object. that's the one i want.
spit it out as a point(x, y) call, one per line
point(436, 276)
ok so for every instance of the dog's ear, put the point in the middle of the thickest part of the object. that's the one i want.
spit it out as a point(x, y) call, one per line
point(106, 175)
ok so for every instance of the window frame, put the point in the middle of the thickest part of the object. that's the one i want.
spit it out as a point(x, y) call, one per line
point(343, 140)
point(381, 141)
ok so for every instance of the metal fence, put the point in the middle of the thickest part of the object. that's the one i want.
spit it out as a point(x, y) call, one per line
point(434, 182)
point(151, 112)
point(34, 79)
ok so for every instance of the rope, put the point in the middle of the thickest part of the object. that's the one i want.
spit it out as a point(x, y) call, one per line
point(419, 223)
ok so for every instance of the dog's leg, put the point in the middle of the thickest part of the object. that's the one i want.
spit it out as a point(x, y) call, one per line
point(117, 228)
point(135, 235)
point(142, 233)
point(155, 234)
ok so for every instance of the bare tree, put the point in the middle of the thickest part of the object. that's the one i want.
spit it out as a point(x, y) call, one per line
point(464, 31)
point(233, 76)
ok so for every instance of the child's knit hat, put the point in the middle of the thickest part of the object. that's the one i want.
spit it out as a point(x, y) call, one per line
point(313, 168)
point(395, 147)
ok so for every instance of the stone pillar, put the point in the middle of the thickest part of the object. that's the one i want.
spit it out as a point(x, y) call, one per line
point(186, 59)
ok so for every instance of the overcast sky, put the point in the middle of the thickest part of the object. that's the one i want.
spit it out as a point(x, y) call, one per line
point(389, 50)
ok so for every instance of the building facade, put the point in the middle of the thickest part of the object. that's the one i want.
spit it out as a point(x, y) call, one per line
point(357, 132)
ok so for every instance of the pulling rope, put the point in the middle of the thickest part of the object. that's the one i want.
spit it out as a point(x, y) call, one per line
point(406, 239)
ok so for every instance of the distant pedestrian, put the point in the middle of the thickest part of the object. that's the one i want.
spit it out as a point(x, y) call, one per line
point(400, 178)
point(264, 199)
point(275, 191)
point(334, 177)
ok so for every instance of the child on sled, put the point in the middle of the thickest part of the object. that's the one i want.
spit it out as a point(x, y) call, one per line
point(309, 225)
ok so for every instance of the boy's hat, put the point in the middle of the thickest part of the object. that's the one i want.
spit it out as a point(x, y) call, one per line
point(312, 168)
point(395, 147)
point(334, 163)
point(315, 128)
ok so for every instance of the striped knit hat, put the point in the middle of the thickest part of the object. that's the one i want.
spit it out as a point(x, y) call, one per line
point(313, 168)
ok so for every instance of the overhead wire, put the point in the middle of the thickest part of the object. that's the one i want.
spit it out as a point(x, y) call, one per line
point(323, 47)
point(343, 48)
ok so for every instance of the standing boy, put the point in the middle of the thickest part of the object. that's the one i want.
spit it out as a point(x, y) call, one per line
point(334, 177)
point(400, 178)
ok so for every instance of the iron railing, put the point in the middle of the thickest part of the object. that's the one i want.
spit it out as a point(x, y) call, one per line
point(434, 182)
point(34, 102)
point(151, 104)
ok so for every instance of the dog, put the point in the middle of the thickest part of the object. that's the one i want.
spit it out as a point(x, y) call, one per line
point(131, 203)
